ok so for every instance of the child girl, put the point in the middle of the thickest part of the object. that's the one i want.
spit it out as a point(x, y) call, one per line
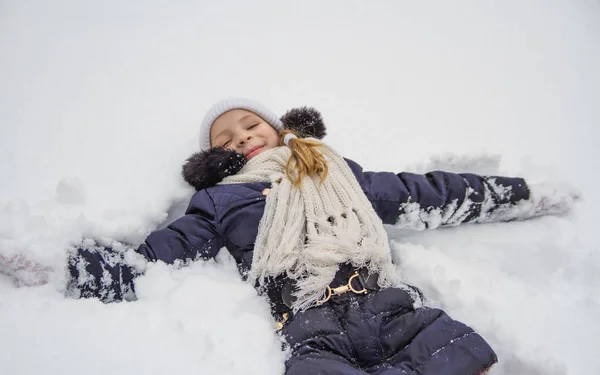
point(305, 226)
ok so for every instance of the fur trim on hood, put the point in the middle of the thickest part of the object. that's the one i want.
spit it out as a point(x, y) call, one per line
point(207, 168)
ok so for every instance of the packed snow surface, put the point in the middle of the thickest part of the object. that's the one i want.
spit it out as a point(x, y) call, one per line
point(100, 103)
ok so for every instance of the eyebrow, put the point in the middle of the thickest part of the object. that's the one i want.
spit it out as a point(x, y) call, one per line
point(245, 117)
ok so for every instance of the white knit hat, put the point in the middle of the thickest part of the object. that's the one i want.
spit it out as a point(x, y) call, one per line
point(234, 103)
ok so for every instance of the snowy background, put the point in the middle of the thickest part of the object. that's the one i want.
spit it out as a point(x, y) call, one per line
point(100, 103)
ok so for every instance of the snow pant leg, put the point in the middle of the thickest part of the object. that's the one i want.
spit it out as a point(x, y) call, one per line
point(314, 361)
point(100, 272)
point(390, 335)
point(382, 333)
point(438, 344)
point(318, 344)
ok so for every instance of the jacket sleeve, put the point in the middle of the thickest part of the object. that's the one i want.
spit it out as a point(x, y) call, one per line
point(414, 201)
point(193, 236)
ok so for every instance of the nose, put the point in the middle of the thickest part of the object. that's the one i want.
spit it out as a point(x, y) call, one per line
point(244, 138)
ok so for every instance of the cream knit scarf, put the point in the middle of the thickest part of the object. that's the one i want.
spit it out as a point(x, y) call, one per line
point(306, 232)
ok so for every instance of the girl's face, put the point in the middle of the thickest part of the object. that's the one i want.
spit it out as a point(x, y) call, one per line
point(243, 132)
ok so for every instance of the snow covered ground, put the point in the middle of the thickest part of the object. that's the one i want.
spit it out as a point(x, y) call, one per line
point(100, 103)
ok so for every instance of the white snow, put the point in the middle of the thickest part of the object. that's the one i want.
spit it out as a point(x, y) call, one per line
point(100, 103)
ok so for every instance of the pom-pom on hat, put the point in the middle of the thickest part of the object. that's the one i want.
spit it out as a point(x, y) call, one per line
point(226, 105)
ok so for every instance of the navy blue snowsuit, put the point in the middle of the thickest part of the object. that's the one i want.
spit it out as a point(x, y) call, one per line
point(377, 333)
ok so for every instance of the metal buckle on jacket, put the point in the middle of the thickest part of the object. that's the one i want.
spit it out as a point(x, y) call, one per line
point(342, 289)
point(279, 325)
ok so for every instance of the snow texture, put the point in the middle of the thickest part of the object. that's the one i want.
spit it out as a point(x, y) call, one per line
point(100, 105)
point(546, 198)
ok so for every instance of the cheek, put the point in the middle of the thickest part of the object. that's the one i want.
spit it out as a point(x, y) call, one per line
point(271, 136)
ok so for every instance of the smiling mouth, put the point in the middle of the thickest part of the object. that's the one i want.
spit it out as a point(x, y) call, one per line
point(253, 152)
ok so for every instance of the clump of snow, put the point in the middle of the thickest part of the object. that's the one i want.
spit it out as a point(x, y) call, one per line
point(173, 327)
point(101, 103)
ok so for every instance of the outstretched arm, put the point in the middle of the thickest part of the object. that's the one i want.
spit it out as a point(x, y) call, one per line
point(108, 273)
point(414, 201)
